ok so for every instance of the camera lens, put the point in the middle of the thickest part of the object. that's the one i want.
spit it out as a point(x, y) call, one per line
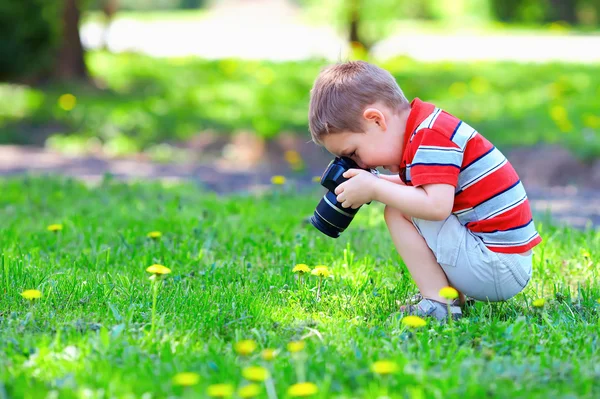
point(330, 217)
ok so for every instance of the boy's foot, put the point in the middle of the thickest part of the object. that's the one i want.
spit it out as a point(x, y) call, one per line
point(432, 308)
point(468, 301)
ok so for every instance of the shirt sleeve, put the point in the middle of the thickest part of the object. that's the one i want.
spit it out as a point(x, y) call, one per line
point(436, 160)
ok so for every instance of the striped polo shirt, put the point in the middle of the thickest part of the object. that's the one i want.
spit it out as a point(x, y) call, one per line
point(489, 198)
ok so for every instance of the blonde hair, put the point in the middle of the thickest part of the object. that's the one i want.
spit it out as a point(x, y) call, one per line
point(341, 93)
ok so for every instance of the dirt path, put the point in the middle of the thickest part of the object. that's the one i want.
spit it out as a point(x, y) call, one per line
point(557, 185)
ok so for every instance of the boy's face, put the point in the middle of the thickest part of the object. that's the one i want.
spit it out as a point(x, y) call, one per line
point(379, 145)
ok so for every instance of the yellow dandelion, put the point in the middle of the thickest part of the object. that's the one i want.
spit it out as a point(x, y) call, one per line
point(296, 346)
point(586, 254)
point(301, 268)
point(268, 354)
point(249, 391)
point(55, 227)
point(158, 269)
point(154, 234)
point(321, 271)
point(448, 293)
point(384, 367)
point(220, 390)
point(598, 300)
point(255, 373)
point(31, 294)
point(316, 179)
point(539, 303)
point(245, 347)
point(293, 157)
point(67, 102)
point(278, 180)
point(302, 389)
point(186, 379)
point(413, 321)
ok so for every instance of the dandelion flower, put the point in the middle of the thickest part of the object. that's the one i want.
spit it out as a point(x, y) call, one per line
point(301, 268)
point(67, 101)
point(316, 179)
point(249, 391)
point(293, 157)
point(158, 269)
point(384, 367)
point(413, 321)
point(296, 346)
point(268, 354)
point(245, 347)
point(278, 180)
point(321, 271)
point(255, 373)
point(539, 303)
point(31, 294)
point(448, 293)
point(220, 390)
point(598, 300)
point(154, 235)
point(186, 379)
point(302, 389)
point(55, 227)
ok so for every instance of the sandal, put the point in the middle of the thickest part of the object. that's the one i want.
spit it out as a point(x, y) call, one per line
point(432, 308)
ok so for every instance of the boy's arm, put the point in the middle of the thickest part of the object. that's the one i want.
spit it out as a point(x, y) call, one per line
point(429, 202)
point(393, 178)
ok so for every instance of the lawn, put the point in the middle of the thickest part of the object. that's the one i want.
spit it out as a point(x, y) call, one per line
point(146, 101)
point(91, 334)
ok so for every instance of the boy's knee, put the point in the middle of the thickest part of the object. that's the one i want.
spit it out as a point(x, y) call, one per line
point(392, 214)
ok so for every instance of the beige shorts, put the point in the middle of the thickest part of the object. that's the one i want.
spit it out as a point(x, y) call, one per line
point(470, 266)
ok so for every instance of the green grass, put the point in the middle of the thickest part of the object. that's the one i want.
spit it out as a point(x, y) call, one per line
point(231, 257)
point(148, 101)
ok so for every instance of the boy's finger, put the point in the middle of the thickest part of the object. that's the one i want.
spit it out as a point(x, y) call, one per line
point(339, 189)
point(350, 173)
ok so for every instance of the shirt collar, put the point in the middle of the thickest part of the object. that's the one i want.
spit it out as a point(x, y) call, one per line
point(419, 110)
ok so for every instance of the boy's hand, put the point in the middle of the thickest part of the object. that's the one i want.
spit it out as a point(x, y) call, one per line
point(358, 190)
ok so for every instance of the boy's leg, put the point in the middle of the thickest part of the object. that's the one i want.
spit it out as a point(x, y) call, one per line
point(418, 257)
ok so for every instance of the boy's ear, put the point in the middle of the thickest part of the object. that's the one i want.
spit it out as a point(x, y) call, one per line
point(375, 115)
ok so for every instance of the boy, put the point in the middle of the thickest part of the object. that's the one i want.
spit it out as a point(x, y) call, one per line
point(456, 209)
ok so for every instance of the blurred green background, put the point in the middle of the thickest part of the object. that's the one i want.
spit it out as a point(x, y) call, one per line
point(60, 93)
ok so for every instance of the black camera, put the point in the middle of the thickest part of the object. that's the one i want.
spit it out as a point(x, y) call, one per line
point(330, 217)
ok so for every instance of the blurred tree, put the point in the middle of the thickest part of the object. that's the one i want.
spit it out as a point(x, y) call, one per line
point(191, 4)
point(150, 5)
point(29, 30)
point(543, 11)
point(109, 9)
point(70, 63)
point(40, 41)
point(363, 21)
point(354, 23)
point(562, 10)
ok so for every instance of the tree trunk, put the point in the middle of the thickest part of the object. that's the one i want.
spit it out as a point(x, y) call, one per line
point(354, 35)
point(109, 8)
point(563, 10)
point(70, 63)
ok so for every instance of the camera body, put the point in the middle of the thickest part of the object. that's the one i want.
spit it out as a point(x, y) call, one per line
point(330, 217)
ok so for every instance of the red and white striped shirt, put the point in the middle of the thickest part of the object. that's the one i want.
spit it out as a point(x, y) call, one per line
point(489, 198)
